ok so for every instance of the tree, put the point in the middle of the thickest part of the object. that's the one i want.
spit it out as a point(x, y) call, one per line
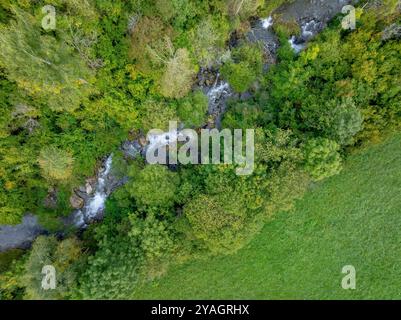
point(178, 76)
point(276, 147)
point(244, 68)
point(154, 235)
point(244, 8)
point(156, 242)
point(56, 164)
point(174, 67)
point(208, 41)
point(63, 256)
point(51, 72)
point(347, 121)
point(322, 159)
point(221, 221)
point(192, 110)
point(11, 273)
point(154, 185)
point(157, 115)
point(148, 43)
point(113, 271)
point(242, 115)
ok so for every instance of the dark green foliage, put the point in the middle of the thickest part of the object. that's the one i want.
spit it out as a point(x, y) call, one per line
point(153, 186)
point(244, 68)
point(192, 110)
point(243, 115)
point(112, 272)
point(222, 222)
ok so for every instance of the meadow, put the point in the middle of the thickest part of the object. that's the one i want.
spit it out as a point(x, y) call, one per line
point(350, 219)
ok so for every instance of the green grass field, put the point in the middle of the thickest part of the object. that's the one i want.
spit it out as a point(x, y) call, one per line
point(353, 218)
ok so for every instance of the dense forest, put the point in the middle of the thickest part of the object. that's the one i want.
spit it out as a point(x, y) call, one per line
point(113, 70)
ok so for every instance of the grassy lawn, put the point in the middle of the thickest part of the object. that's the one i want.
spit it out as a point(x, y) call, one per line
point(353, 218)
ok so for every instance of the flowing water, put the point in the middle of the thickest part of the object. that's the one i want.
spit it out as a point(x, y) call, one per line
point(267, 22)
point(217, 97)
point(93, 210)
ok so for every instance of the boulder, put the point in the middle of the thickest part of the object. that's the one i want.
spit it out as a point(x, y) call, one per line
point(76, 201)
point(88, 188)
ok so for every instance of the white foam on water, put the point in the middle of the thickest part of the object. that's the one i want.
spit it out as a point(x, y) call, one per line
point(267, 22)
point(78, 219)
point(297, 47)
point(164, 139)
point(218, 91)
point(309, 29)
point(97, 203)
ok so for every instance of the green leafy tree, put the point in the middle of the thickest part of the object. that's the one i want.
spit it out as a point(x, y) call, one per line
point(244, 115)
point(148, 44)
point(347, 122)
point(154, 185)
point(56, 164)
point(157, 243)
point(192, 110)
point(322, 159)
point(244, 68)
point(208, 41)
point(51, 72)
point(222, 222)
point(113, 271)
point(157, 115)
